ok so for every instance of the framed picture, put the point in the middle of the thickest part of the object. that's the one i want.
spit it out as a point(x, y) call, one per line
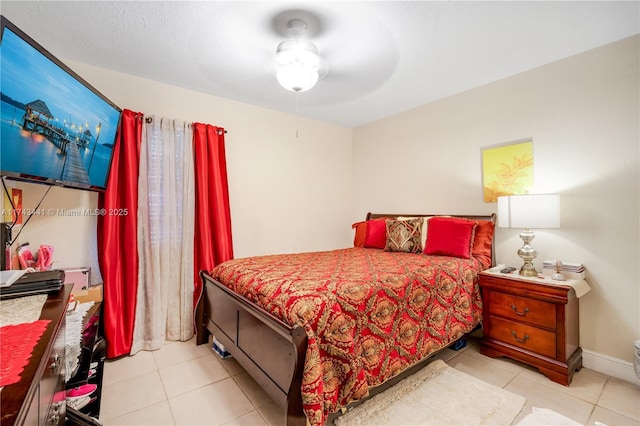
point(13, 215)
point(507, 170)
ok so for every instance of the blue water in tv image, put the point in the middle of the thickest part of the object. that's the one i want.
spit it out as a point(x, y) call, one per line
point(52, 126)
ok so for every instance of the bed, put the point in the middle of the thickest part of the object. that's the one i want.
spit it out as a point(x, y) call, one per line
point(319, 331)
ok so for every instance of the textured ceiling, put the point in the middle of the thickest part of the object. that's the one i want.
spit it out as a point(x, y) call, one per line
point(384, 57)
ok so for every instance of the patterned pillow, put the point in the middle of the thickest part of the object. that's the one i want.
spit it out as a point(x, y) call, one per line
point(404, 235)
point(425, 223)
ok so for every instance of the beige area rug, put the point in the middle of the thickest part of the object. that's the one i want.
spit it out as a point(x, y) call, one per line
point(437, 395)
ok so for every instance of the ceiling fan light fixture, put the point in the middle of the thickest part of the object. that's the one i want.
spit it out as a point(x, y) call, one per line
point(297, 65)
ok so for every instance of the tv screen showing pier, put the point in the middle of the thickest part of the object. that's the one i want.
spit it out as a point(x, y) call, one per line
point(56, 128)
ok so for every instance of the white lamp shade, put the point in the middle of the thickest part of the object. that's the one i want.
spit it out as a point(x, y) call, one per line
point(536, 211)
point(298, 64)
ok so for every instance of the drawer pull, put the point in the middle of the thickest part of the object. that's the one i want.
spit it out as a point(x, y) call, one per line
point(521, 340)
point(523, 313)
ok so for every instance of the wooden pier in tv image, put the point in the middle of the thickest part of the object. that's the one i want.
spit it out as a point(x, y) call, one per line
point(39, 120)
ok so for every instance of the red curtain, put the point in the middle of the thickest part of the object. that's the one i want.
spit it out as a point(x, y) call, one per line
point(212, 240)
point(117, 237)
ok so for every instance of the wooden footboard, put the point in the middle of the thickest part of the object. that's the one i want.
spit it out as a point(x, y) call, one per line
point(271, 351)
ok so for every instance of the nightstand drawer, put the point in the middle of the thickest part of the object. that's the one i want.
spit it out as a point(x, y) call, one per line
point(534, 339)
point(522, 309)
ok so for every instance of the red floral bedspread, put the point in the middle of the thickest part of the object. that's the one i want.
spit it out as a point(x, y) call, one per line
point(368, 314)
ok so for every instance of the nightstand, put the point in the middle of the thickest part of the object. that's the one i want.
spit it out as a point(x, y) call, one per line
point(532, 321)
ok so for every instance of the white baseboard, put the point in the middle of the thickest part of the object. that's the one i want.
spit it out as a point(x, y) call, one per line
point(610, 366)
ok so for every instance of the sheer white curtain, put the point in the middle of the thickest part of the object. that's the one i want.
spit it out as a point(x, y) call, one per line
point(164, 309)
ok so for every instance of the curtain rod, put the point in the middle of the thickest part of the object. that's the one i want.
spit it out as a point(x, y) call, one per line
point(150, 120)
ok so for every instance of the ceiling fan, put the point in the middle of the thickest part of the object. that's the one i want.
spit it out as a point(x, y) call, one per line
point(299, 66)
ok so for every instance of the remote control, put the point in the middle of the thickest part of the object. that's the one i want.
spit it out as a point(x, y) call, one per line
point(508, 270)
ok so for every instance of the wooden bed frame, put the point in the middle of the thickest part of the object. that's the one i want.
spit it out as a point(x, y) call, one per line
point(271, 351)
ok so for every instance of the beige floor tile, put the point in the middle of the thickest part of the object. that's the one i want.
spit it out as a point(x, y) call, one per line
point(232, 366)
point(621, 397)
point(131, 395)
point(213, 404)
point(251, 419)
point(501, 362)
point(526, 410)
point(153, 415)
point(209, 390)
point(586, 384)
point(273, 414)
point(254, 392)
point(484, 368)
point(548, 397)
point(128, 367)
point(176, 352)
point(446, 354)
point(610, 418)
point(192, 374)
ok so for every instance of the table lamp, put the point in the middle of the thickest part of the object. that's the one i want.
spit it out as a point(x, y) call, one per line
point(533, 211)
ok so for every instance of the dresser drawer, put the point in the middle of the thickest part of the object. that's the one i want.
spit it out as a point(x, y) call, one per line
point(524, 336)
point(523, 309)
point(52, 401)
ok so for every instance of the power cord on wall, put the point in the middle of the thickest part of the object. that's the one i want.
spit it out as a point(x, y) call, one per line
point(13, 207)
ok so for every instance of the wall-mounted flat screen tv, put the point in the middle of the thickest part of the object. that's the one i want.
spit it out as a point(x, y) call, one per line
point(56, 128)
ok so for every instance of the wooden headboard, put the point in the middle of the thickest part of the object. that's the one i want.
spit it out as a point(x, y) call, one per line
point(491, 217)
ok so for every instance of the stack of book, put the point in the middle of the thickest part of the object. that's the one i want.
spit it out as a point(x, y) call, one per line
point(571, 270)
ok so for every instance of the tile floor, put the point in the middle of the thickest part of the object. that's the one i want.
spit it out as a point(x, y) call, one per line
point(185, 384)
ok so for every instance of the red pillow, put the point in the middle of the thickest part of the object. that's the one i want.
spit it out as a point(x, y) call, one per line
point(482, 241)
point(376, 235)
point(361, 233)
point(450, 236)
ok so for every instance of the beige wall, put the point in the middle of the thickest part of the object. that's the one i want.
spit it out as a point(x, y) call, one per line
point(582, 113)
point(287, 193)
point(56, 222)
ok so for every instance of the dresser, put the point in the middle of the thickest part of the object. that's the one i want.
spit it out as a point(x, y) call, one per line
point(531, 321)
point(39, 397)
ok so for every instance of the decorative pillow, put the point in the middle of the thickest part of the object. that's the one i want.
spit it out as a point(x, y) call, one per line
point(425, 222)
point(450, 236)
point(361, 233)
point(482, 241)
point(404, 235)
point(376, 234)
